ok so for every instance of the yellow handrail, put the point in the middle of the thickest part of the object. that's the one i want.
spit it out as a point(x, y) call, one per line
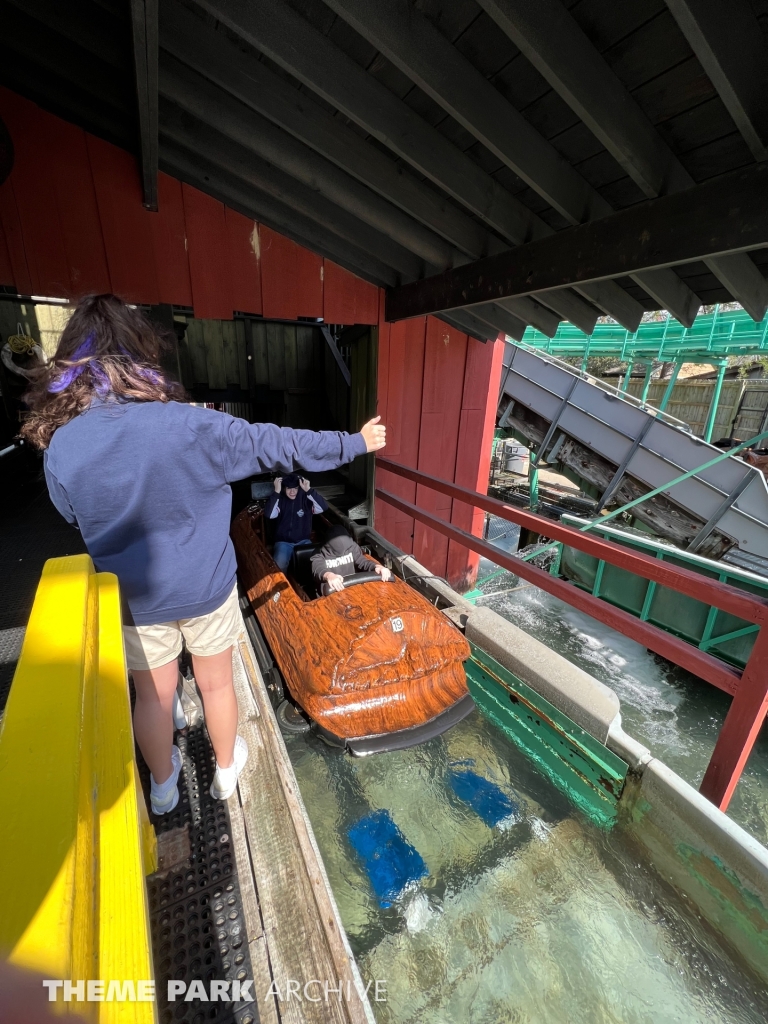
point(75, 839)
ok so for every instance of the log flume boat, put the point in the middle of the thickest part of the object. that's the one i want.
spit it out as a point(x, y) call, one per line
point(375, 667)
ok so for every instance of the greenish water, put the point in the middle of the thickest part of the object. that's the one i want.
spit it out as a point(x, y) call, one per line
point(540, 918)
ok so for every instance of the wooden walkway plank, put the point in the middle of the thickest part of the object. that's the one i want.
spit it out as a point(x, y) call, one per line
point(304, 935)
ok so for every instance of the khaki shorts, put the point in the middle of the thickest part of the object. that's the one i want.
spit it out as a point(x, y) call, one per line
point(149, 647)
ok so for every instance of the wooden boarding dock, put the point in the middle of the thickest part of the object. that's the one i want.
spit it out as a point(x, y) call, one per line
point(296, 940)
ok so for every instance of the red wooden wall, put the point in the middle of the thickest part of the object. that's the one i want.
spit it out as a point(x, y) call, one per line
point(71, 222)
point(437, 393)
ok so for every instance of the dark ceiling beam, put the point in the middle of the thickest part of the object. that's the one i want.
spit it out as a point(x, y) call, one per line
point(571, 307)
point(662, 232)
point(276, 30)
point(533, 313)
point(186, 131)
point(412, 43)
point(254, 84)
point(726, 37)
point(468, 322)
point(190, 167)
point(291, 42)
point(93, 35)
point(551, 39)
point(504, 321)
point(227, 115)
point(145, 57)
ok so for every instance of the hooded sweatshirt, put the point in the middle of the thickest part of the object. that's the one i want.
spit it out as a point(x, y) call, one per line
point(147, 483)
point(294, 516)
point(342, 556)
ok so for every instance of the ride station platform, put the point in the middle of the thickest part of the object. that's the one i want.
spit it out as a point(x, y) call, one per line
point(235, 891)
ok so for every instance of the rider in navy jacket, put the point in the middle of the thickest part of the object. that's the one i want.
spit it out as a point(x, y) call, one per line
point(292, 505)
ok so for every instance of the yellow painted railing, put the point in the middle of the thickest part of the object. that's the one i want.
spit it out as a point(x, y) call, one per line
point(75, 839)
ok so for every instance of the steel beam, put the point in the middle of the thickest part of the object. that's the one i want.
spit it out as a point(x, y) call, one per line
point(553, 41)
point(428, 58)
point(145, 35)
point(727, 214)
point(712, 522)
point(276, 30)
point(621, 469)
point(730, 45)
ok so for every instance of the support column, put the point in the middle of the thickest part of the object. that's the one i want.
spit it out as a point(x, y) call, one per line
point(715, 401)
point(741, 728)
point(533, 483)
point(647, 382)
point(627, 375)
point(670, 387)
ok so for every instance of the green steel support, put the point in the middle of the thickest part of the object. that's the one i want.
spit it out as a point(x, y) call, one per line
point(598, 578)
point(533, 484)
point(627, 375)
point(715, 401)
point(670, 387)
point(647, 382)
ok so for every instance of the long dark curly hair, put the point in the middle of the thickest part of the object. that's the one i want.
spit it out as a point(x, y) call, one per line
point(106, 348)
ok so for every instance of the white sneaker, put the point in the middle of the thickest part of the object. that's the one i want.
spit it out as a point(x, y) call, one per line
point(225, 780)
point(165, 796)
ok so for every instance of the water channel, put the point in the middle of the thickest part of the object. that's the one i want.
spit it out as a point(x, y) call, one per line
point(513, 907)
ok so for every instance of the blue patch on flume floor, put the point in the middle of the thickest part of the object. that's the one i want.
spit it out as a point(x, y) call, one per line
point(390, 861)
point(486, 799)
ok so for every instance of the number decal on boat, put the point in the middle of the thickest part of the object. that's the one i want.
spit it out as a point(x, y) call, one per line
point(397, 624)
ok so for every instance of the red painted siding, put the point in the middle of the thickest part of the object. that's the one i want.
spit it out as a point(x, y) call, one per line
point(444, 366)
point(244, 262)
point(347, 299)
point(6, 268)
point(473, 451)
point(125, 224)
point(14, 237)
point(208, 255)
point(169, 240)
point(291, 278)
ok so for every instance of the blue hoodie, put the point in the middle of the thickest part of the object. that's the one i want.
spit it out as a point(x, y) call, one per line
point(148, 485)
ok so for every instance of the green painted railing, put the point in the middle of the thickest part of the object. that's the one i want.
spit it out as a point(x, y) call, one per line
point(712, 335)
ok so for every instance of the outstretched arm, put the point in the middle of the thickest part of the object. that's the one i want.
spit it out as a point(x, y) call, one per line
point(249, 448)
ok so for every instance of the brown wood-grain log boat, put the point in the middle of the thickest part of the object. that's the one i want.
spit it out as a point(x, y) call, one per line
point(376, 667)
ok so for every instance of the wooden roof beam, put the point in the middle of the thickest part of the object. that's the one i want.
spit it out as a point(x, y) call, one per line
point(276, 30)
point(659, 233)
point(422, 52)
point(145, 44)
point(227, 115)
point(179, 127)
point(214, 56)
point(189, 166)
point(551, 39)
point(728, 41)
